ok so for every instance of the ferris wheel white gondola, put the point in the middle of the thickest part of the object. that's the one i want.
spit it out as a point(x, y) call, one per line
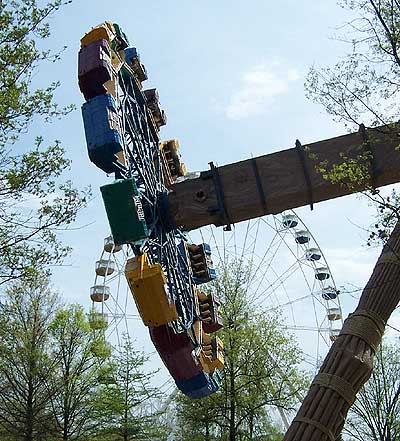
point(329, 293)
point(110, 246)
point(322, 273)
point(313, 254)
point(289, 220)
point(334, 314)
point(105, 267)
point(99, 293)
point(302, 237)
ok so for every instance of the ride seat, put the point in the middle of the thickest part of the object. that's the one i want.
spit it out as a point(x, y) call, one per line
point(149, 288)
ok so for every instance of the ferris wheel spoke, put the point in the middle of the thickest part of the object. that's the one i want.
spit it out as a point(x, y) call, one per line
point(143, 171)
point(141, 157)
point(305, 298)
point(254, 242)
point(281, 278)
point(261, 264)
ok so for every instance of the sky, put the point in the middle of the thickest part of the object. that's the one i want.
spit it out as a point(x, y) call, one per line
point(230, 75)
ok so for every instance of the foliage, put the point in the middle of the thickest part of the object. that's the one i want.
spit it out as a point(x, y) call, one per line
point(23, 23)
point(352, 173)
point(97, 321)
point(25, 318)
point(33, 202)
point(63, 366)
point(363, 88)
point(121, 399)
point(376, 413)
point(75, 376)
point(100, 348)
point(261, 370)
point(52, 385)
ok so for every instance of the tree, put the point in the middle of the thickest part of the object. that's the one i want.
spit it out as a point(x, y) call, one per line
point(375, 413)
point(356, 90)
point(364, 88)
point(122, 398)
point(261, 370)
point(33, 202)
point(25, 317)
point(74, 380)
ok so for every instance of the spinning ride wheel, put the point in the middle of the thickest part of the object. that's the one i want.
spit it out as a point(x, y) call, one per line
point(286, 273)
point(122, 123)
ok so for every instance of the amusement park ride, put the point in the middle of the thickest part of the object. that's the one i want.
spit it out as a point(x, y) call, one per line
point(150, 207)
point(122, 123)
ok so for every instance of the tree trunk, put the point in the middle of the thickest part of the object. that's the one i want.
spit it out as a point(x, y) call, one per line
point(29, 412)
point(207, 437)
point(349, 362)
point(232, 408)
point(66, 405)
point(30, 399)
point(251, 426)
point(65, 426)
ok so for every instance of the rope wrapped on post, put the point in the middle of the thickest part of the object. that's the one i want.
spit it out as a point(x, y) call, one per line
point(336, 383)
point(317, 425)
point(389, 256)
point(366, 325)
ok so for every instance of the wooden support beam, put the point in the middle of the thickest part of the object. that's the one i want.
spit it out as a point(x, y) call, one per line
point(287, 179)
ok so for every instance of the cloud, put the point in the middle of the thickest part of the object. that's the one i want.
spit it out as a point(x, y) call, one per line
point(351, 267)
point(31, 202)
point(259, 86)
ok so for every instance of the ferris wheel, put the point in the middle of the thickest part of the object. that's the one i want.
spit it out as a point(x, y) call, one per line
point(286, 273)
point(164, 268)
